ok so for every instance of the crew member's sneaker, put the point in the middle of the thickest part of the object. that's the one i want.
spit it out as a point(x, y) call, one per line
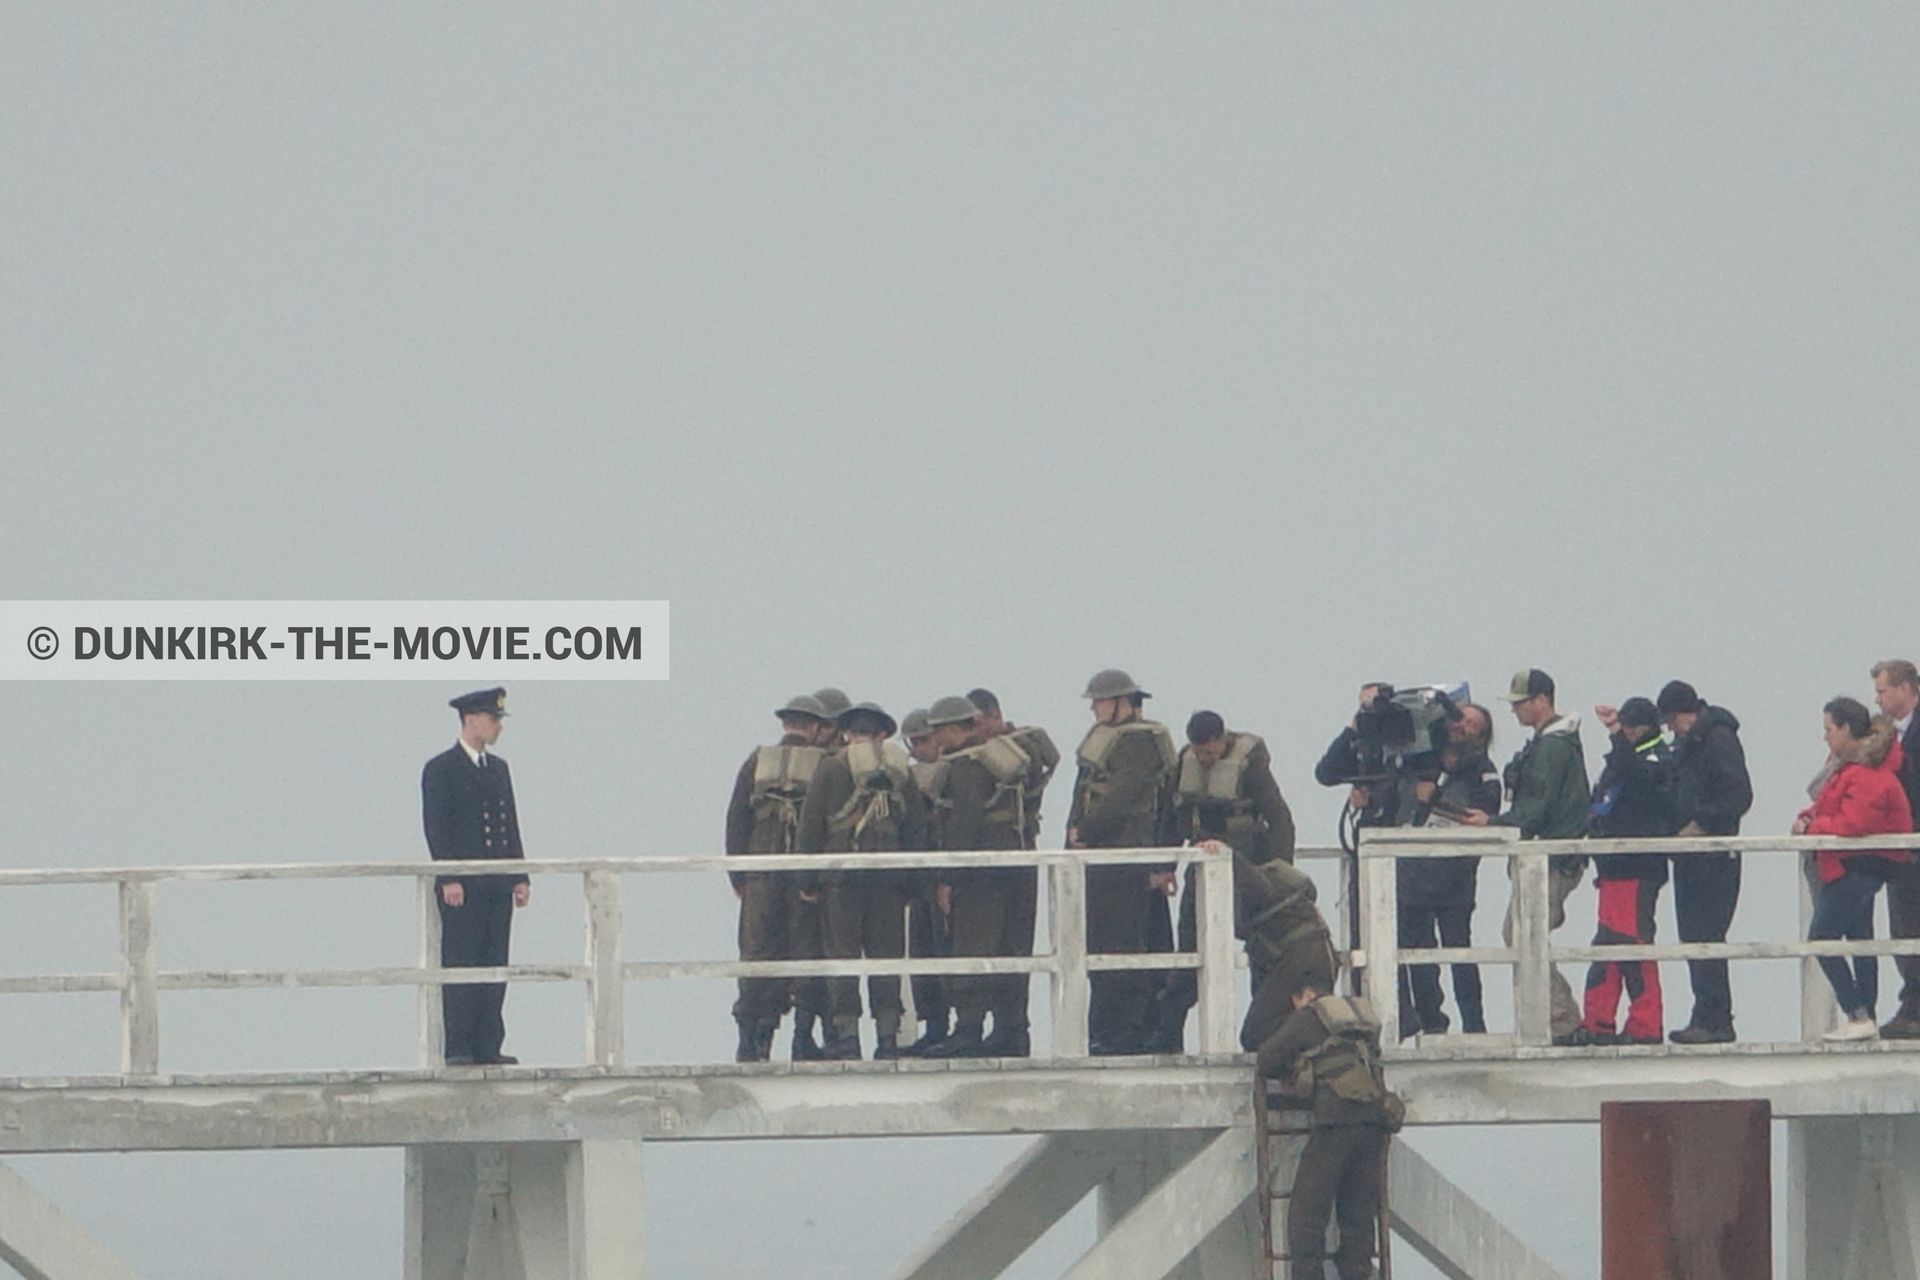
point(1694, 1033)
point(1853, 1029)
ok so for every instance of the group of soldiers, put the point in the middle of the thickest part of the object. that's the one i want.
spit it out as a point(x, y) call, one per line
point(963, 777)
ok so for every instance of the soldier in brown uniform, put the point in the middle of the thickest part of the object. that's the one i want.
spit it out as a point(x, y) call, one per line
point(1223, 791)
point(977, 798)
point(1277, 914)
point(807, 915)
point(927, 933)
point(1126, 769)
point(863, 799)
point(1044, 758)
point(1329, 1048)
point(763, 816)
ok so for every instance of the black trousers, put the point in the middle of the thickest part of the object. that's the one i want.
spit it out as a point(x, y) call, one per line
point(1340, 1173)
point(1706, 887)
point(1420, 998)
point(1118, 914)
point(929, 936)
point(475, 935)
point(1023, 909)
point(1903, 921)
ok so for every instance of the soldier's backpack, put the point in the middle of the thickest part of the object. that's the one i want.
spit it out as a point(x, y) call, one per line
point(1096, 752)
point(781, 776)
point(1009, 765)
point(1347, 1062)
point(870, 819)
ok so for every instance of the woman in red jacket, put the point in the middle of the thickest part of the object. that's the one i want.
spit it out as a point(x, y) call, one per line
point(1863, 797)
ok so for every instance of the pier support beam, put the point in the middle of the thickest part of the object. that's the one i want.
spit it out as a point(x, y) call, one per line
point(526, 1211)
point(41, 1242)
point(1853, 1206)
point(1194, 1222)
point(1449, 1228)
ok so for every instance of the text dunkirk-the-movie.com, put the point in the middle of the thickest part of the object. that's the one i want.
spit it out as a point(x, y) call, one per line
point(333, 640)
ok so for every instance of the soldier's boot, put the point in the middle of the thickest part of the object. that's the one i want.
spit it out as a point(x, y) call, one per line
point(886, 1038)
point(843, 1041)
point(967, 1041)
point(805, 1047)
point(930, 1039)
point(749, 1048)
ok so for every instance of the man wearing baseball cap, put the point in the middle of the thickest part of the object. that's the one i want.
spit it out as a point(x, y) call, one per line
point(1547, 783)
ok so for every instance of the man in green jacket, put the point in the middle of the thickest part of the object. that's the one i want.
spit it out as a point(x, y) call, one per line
point(1550, 794)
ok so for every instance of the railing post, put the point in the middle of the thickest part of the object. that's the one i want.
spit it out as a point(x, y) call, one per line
point(1532, 985)
point(1817, 1005)
point(606, 990)
point(139, 992)
point(1378, 947)
point(1214, 939)
point(432, 1025)
point(1068, 926)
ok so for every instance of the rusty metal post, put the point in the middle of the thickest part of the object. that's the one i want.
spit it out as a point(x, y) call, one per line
point(1686, 1191)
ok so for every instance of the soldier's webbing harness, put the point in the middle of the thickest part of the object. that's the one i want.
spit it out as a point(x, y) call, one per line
point(879, 770)
point(1344, 1062)
point(781, 775)
point(1008, 764)
point(1097, 748)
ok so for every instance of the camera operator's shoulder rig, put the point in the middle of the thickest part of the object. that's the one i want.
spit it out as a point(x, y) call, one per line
point(881, 774)
point(1007, 763)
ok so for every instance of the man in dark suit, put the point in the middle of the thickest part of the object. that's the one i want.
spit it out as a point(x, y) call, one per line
point(466, 802)
point(1896, 687)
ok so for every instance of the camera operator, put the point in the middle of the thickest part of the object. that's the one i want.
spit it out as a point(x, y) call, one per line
point(1406, 773)
point(1437, 894)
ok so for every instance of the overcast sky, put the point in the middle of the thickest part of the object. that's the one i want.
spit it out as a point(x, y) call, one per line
point(1259, 351)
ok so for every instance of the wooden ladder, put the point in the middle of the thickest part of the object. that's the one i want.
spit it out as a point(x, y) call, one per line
point(1282, 1124)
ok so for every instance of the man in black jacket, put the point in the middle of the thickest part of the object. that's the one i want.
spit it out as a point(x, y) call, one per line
point(1633, 798)
point(466, 804)
point(1896, 688)
point(1712, 792)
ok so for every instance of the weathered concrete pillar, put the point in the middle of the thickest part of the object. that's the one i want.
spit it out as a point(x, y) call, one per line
point(1153, 1162)
point(1853, 1206)
point(527, 1211)
point(1686, 1191)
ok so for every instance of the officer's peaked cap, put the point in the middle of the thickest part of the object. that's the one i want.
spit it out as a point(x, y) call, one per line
point(492, 702)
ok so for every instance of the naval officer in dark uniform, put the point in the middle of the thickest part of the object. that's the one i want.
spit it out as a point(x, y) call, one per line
point(466, 801)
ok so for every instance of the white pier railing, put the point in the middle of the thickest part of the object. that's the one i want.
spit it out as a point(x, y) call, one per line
point(603, 968)
point(1533, 953)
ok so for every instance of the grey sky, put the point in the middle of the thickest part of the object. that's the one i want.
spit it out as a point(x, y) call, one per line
point(1259, 351)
